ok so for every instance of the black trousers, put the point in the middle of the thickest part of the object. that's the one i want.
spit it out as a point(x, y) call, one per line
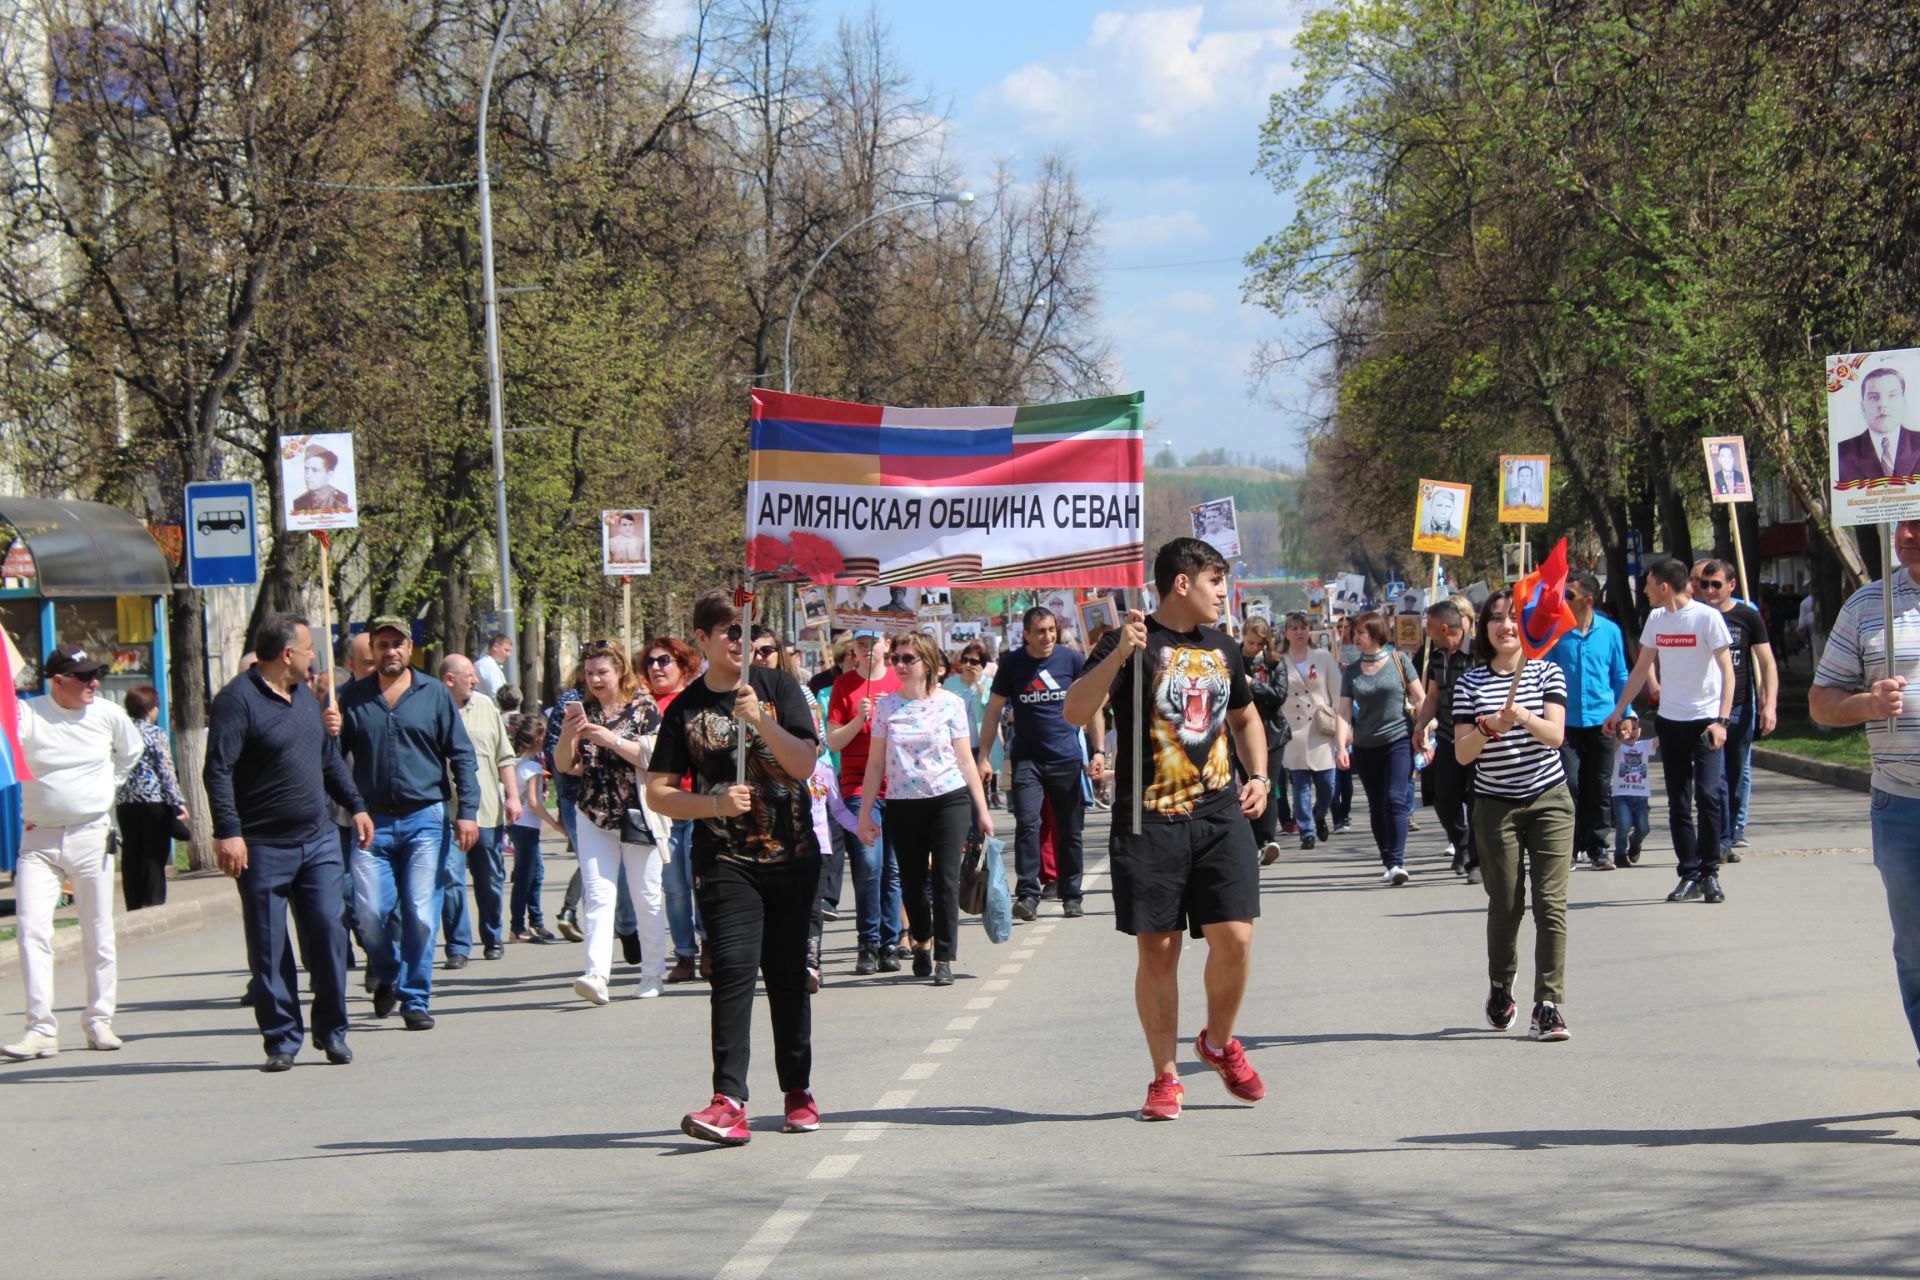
point(305, 878)
point(1452, 784)
point(146, 847)
point(928, 838)
point(1587, 756)
point(758, 922)
point(1279, 807)
point(1033, 785)
point(1693, 771)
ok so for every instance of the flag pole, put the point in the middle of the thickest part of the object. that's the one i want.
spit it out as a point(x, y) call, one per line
point(1888, 564)
point(1140, 715)
point(746, 643)
point(326, 617)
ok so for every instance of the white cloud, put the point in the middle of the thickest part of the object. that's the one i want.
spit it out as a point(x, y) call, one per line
point(1154, 75)
point(1153, 228)
point(1190, 302)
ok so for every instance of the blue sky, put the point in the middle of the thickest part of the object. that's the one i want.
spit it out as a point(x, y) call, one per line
point(1159, 107)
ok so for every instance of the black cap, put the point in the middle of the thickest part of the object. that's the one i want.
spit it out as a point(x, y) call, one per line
point(72, 660)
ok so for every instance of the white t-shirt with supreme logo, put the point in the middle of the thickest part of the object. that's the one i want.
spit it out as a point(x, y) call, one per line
point(1686, 640)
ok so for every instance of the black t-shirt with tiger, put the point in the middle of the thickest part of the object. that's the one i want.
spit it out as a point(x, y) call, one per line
point(1193, 679)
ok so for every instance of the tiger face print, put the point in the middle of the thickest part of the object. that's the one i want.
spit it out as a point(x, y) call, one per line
point(1190, 752)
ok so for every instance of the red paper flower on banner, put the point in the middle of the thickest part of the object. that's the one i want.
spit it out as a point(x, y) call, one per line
point(766, 555)
point(816, 559)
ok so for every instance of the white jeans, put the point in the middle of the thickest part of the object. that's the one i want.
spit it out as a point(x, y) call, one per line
point(79, 853)
point(601, 856)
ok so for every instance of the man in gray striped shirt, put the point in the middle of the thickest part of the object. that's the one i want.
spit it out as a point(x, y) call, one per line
point(1852, 687)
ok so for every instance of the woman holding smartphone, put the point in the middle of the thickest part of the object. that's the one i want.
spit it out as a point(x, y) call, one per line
point(923, 739)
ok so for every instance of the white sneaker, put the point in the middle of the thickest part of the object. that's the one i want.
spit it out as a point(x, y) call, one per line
point(1397, 876)
point(31, 1045)
point(649, 988)
point(1386, 876)
point(1269, 853)
point(100, 1036)
point(591, 987)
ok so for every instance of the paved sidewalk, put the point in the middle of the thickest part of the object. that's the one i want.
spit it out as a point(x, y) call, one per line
point(1738, 1100)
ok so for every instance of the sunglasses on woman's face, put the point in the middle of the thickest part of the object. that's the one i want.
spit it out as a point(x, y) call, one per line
point(657, 660)
point(969, 662)
point(764, 651)
point(904, 659)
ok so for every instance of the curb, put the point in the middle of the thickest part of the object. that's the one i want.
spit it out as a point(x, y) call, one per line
point(134, 926)
point(1839, 775)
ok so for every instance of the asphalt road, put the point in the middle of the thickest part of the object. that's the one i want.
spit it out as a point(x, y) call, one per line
point(1739, 1098)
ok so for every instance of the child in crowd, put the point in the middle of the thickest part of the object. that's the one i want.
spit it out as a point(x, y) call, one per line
point(529, 871)
point(1632, 790)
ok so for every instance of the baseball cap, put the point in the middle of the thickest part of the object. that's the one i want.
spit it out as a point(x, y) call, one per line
point(72, 660)
point(390, 622)
point(867, 633)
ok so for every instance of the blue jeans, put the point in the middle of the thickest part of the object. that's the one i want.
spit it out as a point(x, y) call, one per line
point(1312, 796)
point(487, 862)
point(1896, 852)
point(402, 869)
point(676, 878)
point(1631, 821)
point(876, 885)
point(1383, 772)
point(1737, 769)
point(529, 874)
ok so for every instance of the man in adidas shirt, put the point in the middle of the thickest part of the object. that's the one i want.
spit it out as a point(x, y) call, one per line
point(1696, 698)
point(1047, 758)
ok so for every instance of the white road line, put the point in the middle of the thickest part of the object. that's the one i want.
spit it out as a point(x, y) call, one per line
point(865, 1131)
point(1022, 955)
point(1010, 968)
point(895, 1099)
point(920, 1071)
point(943, 1046)
point(997, 984)
point(980, 1002)
point(760, 1252)
point(963, 1024)
point(831, 1167)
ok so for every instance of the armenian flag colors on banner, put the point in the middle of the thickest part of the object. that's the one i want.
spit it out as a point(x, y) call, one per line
point(1043, 495)
point(1541, 598)
point(13, 761)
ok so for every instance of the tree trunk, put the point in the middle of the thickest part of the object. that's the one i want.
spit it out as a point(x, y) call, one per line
point(187, 643)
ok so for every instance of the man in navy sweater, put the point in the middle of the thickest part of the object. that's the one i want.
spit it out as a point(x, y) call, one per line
point(271, 765)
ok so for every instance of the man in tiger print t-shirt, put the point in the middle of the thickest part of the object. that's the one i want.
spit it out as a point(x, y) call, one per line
point(1193, 865)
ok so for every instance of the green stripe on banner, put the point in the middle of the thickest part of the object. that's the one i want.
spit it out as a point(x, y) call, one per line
point(1119, 415)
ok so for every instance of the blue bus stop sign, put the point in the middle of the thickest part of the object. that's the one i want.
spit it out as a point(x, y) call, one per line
point(222, 544)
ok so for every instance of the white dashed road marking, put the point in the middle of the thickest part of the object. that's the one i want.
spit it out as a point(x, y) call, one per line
point(759, 1253)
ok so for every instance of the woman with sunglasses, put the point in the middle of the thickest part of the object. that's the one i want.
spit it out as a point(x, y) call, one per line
point(610, 733)
point(922, 740)
point(969, 683)
point(1522, 810)
point(667, 665)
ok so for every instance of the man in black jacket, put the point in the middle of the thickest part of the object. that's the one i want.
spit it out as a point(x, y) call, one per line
point(271, 764)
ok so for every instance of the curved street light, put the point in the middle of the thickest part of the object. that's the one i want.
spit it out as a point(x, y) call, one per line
point(786, 349)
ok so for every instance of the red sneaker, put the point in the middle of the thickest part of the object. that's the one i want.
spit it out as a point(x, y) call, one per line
point(1163, 1099)
point(1243, 1082)
point(803, 1113)
point(723, 1121)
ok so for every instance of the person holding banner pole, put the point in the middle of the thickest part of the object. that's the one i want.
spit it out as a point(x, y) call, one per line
point(1858, 682)
point(1193, 866)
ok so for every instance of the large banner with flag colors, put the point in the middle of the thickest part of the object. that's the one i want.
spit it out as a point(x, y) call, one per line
point(1038, 496)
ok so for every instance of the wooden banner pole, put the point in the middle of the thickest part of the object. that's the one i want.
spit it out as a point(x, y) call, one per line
point(1888, 567)
point(626, 615)
point(1739, 554)
point(326, 620)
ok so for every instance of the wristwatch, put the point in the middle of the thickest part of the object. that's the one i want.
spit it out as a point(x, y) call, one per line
point(1263, 780)
point(1721, 721)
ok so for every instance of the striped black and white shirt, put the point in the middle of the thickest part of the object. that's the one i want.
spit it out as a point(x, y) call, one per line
point(1515, 765)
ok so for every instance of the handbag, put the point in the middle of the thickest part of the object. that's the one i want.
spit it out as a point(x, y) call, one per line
point(1326, 720)
point(973, 875)
point(634, 828)
point(997, 914)
point(1407, 705)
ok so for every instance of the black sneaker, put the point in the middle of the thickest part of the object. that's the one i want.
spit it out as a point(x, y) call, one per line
point(889, 960)
point(865, 964)
point(384, 998)
point(923, 964)
point(1320, 829)
point(1547, 1023)
point(1633, 852)
point(1307, 842)
point(1729, 854)
point(630, 947)
point(494, 952)
point(1026, 908)
point(1049, 890)
point(277, 1062)
point(1686, 891)
point(943, 973)
point(1501, 1010)
point(1710, 890)
point(337, 1051)
point(418, 1020)
point(456, 962)
point(1073, 910)
point(1473, 875)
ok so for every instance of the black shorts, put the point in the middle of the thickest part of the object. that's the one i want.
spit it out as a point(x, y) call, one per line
point(1185, 873)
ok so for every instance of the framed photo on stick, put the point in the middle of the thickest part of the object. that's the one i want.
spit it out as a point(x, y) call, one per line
point(1217, 524)
point(316, 482)
point(626, 543)
point(1440, 518)
point(1728, 479)
point(1523, 488)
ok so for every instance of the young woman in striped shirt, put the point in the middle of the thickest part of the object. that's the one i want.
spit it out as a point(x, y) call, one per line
point(1522, 811)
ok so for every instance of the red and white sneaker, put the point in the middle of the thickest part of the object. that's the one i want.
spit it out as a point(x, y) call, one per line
point(1163, 1099)
point(723, 1121)
point(1242, 1081)
point(803, 1113)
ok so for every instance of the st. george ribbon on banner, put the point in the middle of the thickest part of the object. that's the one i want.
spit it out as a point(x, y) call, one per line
point(1038, 496)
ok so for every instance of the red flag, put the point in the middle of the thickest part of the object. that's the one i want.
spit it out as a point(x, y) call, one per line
point(16, 760)
point(1541, 600)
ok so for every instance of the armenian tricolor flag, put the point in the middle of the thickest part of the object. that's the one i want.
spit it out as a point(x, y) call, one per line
point(1541, 598)
point(13, 762)
point(1042, 495)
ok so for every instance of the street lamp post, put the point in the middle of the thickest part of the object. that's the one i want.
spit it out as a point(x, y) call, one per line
point(786, 349)
point(490, 305)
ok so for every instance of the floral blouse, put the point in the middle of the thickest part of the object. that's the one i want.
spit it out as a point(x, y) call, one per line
point(152, 780)
point(609, 786)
